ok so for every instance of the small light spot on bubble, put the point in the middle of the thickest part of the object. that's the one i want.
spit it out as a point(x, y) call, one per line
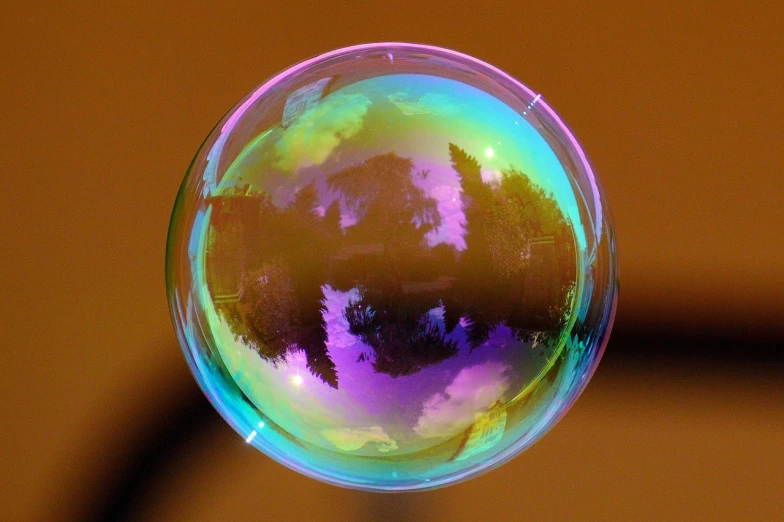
point(261, 424)
point(297, 380)
point(489, 152)
point(251, 436)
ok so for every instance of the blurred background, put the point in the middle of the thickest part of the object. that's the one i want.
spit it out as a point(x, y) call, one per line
point(679, 107)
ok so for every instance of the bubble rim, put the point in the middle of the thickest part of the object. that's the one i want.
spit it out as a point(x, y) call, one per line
point(602, 222)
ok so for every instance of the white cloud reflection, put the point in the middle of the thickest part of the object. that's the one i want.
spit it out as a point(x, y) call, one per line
point(470, 394)
point(352, 439)
point(430, 103)
point(320, 129)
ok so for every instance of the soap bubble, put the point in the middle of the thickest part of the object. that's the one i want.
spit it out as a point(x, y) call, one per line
point(391, 267)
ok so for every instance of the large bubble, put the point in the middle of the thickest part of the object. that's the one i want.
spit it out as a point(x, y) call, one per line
point(391, 267)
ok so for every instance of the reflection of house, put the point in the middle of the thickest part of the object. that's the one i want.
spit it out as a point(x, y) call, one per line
point(227, 298)
point(303, 99)
point(233, 234)
point(485, 433)
point(542, 282)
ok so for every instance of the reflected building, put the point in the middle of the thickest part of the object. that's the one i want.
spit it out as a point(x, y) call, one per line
point(486, 432)
point(235, 221)
point(303, 99)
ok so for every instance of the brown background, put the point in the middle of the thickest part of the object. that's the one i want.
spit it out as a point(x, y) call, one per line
point(680, 108)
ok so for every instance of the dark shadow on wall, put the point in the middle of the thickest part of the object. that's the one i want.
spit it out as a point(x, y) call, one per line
point(124, 491)
point(120, 493)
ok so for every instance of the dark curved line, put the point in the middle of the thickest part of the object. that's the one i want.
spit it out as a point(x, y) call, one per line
point(121, 491)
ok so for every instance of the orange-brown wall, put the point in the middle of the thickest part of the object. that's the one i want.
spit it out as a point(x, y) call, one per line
point(679, 105)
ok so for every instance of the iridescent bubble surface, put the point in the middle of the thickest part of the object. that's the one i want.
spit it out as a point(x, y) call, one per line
point(391, 267)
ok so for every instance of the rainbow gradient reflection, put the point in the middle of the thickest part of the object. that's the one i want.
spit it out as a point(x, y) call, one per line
point(391, 267)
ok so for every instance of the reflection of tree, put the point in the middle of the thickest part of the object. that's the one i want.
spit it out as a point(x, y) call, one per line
point(401, 333)
point(381, 191)
point(278, 307)
point(394, 215)
point(518, 267)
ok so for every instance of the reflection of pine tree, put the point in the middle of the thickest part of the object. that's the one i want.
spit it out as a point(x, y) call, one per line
point(495, 269)
point(274, 321)
point(312, 339)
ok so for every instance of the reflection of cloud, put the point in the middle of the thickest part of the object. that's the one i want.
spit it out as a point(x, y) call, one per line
point(315, 134)
point(469, 395)
point(450, 207)
point(491, 177)
point(351, 439)
point(335, 301)
point(430, 103)
point(348, 219)
point(443, 185)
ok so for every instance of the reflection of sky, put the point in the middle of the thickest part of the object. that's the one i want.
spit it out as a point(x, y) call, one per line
point(471, 393)
point(414, 116)
point(319, 130)
point(443, 185)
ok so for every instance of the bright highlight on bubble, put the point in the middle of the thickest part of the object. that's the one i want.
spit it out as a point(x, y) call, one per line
point(391, 267)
